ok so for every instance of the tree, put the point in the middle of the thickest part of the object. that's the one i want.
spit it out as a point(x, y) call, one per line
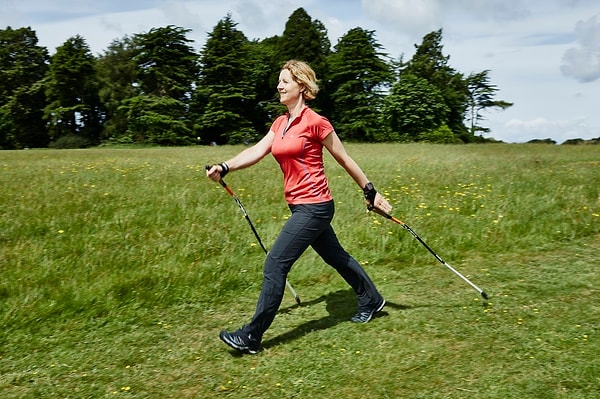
point(157, 120)
point(306, 39)
point(431, 64)
point(23, 65)
point(265, 74)
point(166, 67)
point(72, 92)
point(167, 63)
point(225, 99)
point(357, 75)
point(481, 97)
point(117, 76)
point(413, 109)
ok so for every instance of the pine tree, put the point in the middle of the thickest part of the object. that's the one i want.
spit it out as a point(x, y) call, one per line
point(166, 69)
point(225, 99)
point(431, 64)
point(117, 74)
point(481, 97)
point(358, 74)
point(306, 39)
point(167, 63)
point(72, 91)
point(23, 65)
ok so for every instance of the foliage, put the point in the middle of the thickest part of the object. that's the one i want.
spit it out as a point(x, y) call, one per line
point(265, 73)
point(118, 287)
point(306, 39)
point(481, 97)
point(542, 141)
point(414, 106)
point(227, 92)
point(70, 141)
point(117, 74)
point(22, 61)
point(157, 120)
point(23, 65)
point(167, 64)
point(165, 70)
point(439, 135)
point(21, 119)
point(72, 92)
point(431, 64)
point(358, 75)
point(225, 97)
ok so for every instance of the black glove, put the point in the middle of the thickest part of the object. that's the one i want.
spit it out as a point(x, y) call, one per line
point(370, 192)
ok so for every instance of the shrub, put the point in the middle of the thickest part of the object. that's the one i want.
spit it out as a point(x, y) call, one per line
point(70, 141)
point(440, 135)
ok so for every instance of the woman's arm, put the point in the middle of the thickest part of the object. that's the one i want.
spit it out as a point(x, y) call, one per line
point(334, 145)
point(246, 158)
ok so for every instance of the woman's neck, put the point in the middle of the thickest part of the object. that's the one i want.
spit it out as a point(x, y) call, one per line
point(295, 109)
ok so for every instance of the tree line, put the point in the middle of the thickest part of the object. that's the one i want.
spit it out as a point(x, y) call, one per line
point(155, 88)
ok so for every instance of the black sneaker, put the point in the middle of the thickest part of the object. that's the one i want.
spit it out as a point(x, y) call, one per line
point(240, 341)
point(365, 314)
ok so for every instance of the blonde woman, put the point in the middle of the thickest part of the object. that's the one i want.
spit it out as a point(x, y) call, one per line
point(296, 140)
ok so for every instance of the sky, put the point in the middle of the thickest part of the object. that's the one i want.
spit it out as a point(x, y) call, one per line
point(543, 56)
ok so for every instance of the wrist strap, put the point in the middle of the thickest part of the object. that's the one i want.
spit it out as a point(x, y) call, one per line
point(225, 168)
point(370, 193)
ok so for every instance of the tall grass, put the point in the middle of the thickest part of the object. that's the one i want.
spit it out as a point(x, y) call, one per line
point(120, 266)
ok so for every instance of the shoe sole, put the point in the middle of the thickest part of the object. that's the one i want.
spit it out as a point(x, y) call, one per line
point(245, 349)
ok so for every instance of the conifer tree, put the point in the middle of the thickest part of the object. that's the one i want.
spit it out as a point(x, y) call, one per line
point(358, 74)
point(225, 100)
point(431, 64)
point(23, 65)
point(72, 92)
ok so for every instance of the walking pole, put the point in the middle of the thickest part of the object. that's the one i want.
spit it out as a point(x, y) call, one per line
point(237, 201)
point(411, 231)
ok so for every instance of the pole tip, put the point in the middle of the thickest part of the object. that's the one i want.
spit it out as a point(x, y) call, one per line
point(484, 295)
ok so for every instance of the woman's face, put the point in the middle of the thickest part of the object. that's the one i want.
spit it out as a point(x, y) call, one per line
point(289, 90)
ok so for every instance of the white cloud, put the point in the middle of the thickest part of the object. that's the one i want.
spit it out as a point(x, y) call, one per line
point(583, 62)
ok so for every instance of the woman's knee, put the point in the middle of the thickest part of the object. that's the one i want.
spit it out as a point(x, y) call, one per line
point(274, 269)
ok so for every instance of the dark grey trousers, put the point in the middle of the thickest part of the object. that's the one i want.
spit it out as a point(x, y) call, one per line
point(309, 225)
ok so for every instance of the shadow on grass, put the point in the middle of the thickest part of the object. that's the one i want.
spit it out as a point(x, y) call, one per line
point(341, 305)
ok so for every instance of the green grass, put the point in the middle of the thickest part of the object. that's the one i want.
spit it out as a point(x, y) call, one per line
point(120, 267)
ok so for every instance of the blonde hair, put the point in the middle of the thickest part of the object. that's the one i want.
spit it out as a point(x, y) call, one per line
point(304, 75)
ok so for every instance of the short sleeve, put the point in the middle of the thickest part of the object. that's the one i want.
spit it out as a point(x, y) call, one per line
point(323, 128)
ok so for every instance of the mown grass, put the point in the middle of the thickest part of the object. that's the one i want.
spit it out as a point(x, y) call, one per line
point(120, 266)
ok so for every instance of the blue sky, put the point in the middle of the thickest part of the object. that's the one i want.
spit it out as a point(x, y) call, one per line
point(544, 56)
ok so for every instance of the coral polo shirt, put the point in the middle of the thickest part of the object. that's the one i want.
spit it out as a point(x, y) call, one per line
point(299, 152)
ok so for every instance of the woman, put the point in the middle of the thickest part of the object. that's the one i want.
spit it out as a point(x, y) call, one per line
point(296, 140)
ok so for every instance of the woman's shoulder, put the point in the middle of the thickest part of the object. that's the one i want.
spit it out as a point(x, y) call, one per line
point(279, 120)
point(313, 115)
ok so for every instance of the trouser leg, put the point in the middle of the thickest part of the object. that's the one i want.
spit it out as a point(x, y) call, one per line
point(306, 223)
point(329, 248)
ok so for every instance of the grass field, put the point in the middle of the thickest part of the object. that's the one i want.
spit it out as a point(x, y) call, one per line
point(121, 266)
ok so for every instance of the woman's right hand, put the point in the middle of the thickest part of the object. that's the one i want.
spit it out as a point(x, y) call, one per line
point(214, 172)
